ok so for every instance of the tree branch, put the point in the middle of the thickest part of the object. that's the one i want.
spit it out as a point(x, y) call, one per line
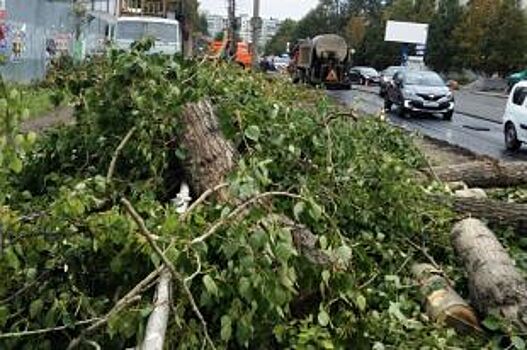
point(129, 298)
point(47, 330)
point(118, 150)
point(143, 230)
point(238, 211)
point(201, 199)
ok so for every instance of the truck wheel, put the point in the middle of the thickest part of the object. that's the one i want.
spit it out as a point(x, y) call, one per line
point(511, 137)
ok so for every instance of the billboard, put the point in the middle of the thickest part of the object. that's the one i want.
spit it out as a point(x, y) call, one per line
point(3, 12)
point(406, 32)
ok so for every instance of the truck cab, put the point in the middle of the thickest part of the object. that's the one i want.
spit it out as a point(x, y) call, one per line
point(165, 32)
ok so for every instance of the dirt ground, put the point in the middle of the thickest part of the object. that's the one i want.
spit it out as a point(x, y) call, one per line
point(440, 153)
point(61, 115)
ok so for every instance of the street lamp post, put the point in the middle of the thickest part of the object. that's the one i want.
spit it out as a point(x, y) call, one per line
point(256, 23)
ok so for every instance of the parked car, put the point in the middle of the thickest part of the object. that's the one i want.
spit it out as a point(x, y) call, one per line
point(515, 117)
point(415, 92)
point(281, 63)
point(386, 78)
point(515, 78)
point(364, 75)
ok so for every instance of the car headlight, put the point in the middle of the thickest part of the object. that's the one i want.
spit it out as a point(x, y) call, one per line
point(449, 95)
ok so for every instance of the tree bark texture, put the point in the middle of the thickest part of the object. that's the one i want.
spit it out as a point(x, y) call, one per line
point(484, 174)
point(213, 157)
point(494, 212)
point(443, 304)
point(495, 285)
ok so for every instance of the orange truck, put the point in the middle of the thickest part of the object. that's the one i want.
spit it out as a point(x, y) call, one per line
point(242, 55)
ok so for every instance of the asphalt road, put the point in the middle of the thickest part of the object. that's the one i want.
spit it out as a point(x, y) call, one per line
point(476, 125)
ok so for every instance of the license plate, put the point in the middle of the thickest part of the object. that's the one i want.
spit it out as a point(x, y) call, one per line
point(431, 104)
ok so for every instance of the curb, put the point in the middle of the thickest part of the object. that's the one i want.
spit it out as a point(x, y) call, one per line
point(485, 93)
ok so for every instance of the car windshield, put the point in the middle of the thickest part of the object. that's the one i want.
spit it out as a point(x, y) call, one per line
point(390, 71)
point(136, 30)
point(423, 78)
point(369, 71)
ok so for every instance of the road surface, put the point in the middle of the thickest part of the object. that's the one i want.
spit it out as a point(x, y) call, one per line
point(476, 125)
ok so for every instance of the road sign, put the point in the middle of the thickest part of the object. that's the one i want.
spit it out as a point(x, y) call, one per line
point(406, 32)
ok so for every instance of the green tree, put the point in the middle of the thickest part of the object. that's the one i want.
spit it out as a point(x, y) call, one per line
point(507, 38)
point(442, 45)
point(202, 24)
point(472, 34)
point(278, 44)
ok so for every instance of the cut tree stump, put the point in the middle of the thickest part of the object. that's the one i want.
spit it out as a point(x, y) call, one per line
point(483, 174)
point(495, 285)
point(443, 304)
point(213, 157)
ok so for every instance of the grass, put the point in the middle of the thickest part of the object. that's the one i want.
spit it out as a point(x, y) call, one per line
point(36, 99)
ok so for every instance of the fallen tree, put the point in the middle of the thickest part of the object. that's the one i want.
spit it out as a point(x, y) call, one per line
point(495, 285)
point(495, 212)
point(295, 237)
point(483, 174)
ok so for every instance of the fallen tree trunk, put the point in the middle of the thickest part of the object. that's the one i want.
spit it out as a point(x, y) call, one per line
point(212, 158)
point(443, 304)
point(483, 174)
point(495, 285)
point(494, 212)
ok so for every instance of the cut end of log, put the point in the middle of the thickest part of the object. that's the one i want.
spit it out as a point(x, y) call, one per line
point(495, 285)
point(443, 304)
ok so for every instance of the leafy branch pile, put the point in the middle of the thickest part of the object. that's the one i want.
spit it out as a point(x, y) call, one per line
point(71, 251)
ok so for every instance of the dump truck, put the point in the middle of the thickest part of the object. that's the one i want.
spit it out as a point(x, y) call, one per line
point(221, 48)
point(324, 59)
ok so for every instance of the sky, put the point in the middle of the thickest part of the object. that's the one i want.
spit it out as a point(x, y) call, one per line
point(282, 9)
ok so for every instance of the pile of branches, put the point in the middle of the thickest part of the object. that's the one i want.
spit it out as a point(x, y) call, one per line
point(298, 227)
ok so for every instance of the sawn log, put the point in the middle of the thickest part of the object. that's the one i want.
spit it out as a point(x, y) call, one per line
point(495, 286)
point(484, 174)
point(494, 212)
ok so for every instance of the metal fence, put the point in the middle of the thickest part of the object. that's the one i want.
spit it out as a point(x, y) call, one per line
point(28, 25)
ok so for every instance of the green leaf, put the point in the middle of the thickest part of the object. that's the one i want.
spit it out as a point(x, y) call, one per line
point(344, 253)
point(315, 211)
point(245, 288)
point(4, 315)
point(210, 285)
point(35, 308)
point(15, 164)
point(252, 133)
point(226, 328)
point(518, 342)
point(298, 209)
point(492, 322)
point(325, 277)
point(361, 302)
point(323, 318)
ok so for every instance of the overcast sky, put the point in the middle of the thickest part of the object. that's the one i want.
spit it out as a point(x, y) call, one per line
point(282, 9)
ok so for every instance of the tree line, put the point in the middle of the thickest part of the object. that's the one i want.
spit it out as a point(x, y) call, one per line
point(487, 36)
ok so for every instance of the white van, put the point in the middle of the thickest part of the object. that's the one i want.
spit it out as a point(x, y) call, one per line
point(165, 32)
point(515, 117)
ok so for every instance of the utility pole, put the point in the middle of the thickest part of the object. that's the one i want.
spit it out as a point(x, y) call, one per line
point(231, 32)
point(256, 29)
